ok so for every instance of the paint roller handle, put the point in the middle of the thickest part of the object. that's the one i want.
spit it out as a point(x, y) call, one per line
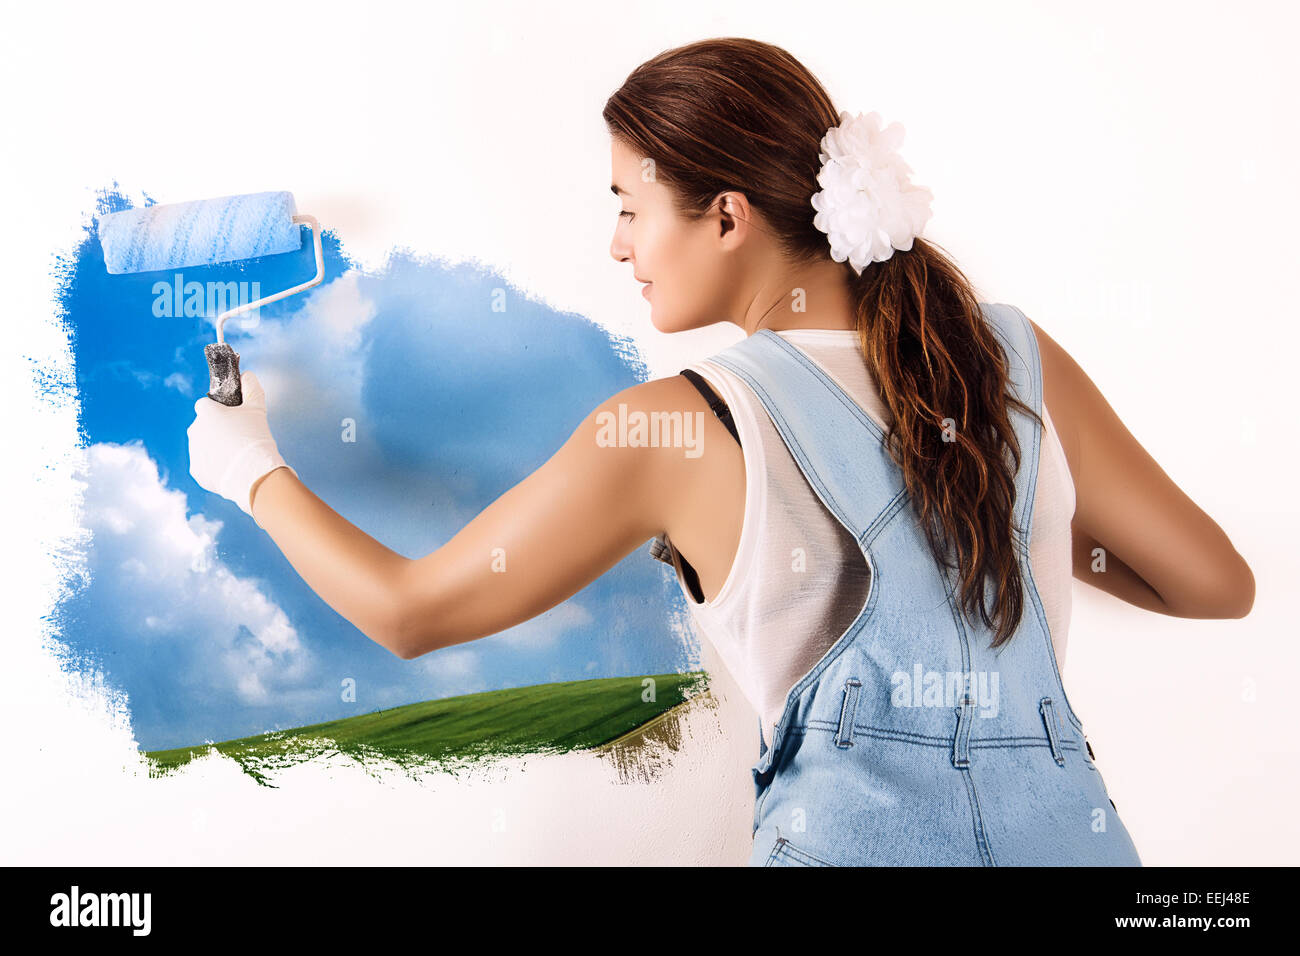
point(223, 374)
point(223, 361)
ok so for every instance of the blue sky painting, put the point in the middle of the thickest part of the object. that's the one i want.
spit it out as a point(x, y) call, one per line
point(189, 608)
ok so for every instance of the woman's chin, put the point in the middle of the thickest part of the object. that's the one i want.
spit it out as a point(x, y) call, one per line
point(667, 317)
point(666, 322)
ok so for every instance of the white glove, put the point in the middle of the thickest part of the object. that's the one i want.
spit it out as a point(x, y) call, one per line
point(231, 446)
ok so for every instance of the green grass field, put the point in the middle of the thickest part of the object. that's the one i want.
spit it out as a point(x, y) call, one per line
point(456, 731)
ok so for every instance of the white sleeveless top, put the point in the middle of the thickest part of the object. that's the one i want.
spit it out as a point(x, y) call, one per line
point(770, 623)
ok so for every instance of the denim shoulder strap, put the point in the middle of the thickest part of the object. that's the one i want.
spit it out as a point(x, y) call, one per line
point(1024, 372)
point(840, 449)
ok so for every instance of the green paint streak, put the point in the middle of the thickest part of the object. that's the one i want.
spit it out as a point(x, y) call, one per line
point(456, 732)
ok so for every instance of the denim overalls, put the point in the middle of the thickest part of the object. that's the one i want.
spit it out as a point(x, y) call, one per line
point(911, 742)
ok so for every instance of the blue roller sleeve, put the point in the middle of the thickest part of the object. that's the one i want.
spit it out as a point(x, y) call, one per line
point(199, 233)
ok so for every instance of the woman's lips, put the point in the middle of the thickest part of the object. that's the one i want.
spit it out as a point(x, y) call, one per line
point(646, 290)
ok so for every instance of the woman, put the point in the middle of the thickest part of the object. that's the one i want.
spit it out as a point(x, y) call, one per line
point(879, 533)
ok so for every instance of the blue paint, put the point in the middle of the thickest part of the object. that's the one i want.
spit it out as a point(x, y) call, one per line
point(455, 404)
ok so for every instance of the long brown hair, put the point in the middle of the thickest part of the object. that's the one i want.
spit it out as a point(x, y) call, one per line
point(738, 114)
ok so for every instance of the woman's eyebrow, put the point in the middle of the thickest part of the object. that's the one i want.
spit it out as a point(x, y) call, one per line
point(618, 191)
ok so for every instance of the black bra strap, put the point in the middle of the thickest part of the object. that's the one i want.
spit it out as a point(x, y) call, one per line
point(718, 405)
point(659, 547)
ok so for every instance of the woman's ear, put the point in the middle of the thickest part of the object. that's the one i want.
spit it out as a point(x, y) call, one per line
point(733, 214)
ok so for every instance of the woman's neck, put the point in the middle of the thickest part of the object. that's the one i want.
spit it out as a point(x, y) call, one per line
point(812, 296)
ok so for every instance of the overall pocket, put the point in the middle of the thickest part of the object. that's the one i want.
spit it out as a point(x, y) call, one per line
point(785, 853)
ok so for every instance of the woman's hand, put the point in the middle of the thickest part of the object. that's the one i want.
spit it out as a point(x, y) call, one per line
point(231, 447)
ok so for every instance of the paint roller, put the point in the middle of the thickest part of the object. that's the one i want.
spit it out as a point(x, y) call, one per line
point(206, 232)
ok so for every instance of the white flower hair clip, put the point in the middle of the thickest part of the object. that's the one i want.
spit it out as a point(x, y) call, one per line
point(867, 205)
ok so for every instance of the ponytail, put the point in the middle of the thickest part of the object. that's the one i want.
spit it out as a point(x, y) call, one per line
point(942, 374)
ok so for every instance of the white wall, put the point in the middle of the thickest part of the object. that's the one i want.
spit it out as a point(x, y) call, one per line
point(1123, 173)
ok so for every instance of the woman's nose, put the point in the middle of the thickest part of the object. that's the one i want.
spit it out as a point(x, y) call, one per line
point(618, 249)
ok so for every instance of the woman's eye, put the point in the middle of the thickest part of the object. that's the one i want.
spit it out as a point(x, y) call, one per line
point(630, 215)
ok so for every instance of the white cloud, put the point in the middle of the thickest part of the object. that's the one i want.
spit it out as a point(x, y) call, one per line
point(311, 362)
point(450, 672)
point(544, 631)
point(181, 382)
point(450, 663)
point(158, 578)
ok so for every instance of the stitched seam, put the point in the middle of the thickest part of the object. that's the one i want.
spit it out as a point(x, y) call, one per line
point(977, 818)
point(883, 519)
point(791, 850)
point(924, 740)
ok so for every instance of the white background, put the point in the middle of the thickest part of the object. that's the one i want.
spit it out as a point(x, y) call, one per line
point(1123, 172)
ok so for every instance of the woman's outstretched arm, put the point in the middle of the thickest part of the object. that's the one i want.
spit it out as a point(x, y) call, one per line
point(1158, 550)
point(542, 541)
